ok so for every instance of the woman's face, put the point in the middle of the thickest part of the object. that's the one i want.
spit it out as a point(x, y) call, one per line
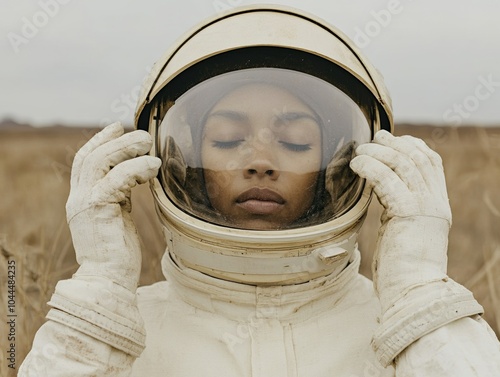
point(261, 154)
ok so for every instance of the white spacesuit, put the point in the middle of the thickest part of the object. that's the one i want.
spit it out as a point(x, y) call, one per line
point(267, 133)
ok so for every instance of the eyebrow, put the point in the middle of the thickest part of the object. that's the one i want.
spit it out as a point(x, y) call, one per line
point(284, 116)
point(230, 114)
point(295, 115)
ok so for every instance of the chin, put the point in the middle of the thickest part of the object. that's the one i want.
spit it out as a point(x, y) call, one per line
point(258, 224)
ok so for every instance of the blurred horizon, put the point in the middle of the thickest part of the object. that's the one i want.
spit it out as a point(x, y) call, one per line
point(82, 63)
point(11, 122)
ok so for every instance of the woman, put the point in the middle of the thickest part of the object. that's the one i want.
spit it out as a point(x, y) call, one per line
point(255, 116)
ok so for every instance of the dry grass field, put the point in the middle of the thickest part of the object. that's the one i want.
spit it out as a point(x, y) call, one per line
point(34, 184)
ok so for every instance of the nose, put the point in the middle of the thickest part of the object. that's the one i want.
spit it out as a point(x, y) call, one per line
point(261, 168)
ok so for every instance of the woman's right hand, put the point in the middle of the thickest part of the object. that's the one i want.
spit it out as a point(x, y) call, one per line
point(98, 208)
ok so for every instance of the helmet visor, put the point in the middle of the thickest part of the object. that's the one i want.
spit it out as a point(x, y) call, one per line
point(261, 149)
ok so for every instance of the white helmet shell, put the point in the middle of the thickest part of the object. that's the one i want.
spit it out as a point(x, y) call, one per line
point(228, 43)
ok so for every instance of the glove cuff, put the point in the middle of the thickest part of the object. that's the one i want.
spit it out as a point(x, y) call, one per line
point(101, 309)
point(410, 253)
point(419, 312)
point(107, 245)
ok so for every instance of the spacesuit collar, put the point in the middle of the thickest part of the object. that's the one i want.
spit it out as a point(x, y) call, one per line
point(239, 301)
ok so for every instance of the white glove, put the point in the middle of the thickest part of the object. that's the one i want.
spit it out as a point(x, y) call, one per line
point(98, 208)
point(100, 298)
point(409, 267)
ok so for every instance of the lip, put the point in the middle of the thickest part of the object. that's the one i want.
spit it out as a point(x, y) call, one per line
point(260, 201)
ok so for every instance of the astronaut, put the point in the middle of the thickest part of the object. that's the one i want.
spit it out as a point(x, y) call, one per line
point(264, 134)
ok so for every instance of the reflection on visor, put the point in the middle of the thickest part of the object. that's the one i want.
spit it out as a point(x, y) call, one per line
point(261, 148)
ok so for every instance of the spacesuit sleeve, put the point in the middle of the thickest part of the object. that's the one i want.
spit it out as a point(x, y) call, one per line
point(93, 329)
point(59, 350)
point(465, 347)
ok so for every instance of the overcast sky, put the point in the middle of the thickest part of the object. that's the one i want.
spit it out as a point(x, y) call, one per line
point(79, 62)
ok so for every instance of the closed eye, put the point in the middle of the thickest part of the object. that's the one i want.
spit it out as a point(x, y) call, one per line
point(295, 147)
point(226, 144)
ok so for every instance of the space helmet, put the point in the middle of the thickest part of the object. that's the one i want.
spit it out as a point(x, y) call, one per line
point(256, 114)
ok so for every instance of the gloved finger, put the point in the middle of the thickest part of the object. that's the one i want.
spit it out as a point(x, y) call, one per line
point(108, 133)
point(433, 156)
point(435, 177)
point(102, 159)
point(388, 186)
point(115, 186)
point(428, 162)
point(407, 146)
point(398, 162)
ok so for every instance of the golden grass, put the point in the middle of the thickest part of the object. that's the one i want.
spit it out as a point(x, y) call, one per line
point(34, 184)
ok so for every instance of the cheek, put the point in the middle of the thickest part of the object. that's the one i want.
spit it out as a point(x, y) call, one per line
point(217, 184)
point(306, 186)
point(305, 191)
point(209, 156)
point(218, 172)
point(306, 163)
